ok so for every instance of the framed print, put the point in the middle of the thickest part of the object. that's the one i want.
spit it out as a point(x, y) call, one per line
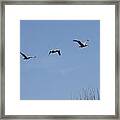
point(59, 59)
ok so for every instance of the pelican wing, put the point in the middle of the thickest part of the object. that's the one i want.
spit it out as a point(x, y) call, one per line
point(80, 43)
point(23, 55)
point(49, 52)
point(59, 52)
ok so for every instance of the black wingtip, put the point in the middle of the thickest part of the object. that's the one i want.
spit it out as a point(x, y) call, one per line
point(21, 53)
point(59, 52)
point(49, 53)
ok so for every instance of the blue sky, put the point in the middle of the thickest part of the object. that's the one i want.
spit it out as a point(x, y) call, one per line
point(53, 77)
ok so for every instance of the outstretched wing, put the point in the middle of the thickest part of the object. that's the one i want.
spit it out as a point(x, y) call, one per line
point(23, 55)
point(49, 52)
point(80, 43)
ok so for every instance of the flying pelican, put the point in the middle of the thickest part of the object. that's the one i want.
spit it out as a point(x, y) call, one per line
point(81, 44)
point(27, 57)
point(55, 51)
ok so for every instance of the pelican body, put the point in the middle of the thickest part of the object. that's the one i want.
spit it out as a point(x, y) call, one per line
point(55, 51)
point(81, 44)
point(25, 57)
